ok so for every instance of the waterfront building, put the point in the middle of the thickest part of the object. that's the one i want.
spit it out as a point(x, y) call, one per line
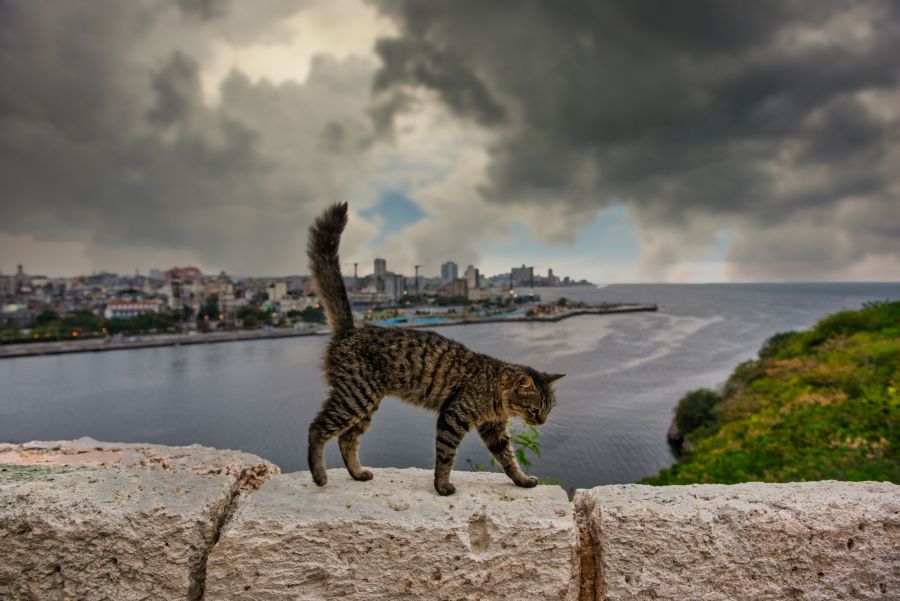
point(394, 286)
point(522, 276)
point(277, 291)
point(449, 271)
point(129, 309)
point(552, 280)
point(460, 287)
point(479, 294)
point(473, 277)
point(380, 268)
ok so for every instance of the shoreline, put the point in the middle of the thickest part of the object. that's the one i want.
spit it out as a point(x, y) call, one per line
point(96, 345)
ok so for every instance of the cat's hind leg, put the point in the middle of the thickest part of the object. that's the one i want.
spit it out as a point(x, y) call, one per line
point(339, 413)
point(349, 444)
point(452, 424)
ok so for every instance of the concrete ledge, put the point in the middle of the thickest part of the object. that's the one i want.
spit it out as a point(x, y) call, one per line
point(394, 537)
point(249, 470)
point(91, 520)
point(810, 540)
point(104, 533)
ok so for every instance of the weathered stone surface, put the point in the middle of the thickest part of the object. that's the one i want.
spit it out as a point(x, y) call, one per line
point(249, 470)
point(813, 540)
point(394, 537)
point(87, 533)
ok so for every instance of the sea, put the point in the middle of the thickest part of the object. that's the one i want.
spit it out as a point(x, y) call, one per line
point(624, 376)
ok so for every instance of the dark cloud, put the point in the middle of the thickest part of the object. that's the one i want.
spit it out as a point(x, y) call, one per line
point(178, 90)
point(204, 9)
point(107, 137)
point(755, 113)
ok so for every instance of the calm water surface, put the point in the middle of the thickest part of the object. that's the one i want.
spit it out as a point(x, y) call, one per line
point(625, 374)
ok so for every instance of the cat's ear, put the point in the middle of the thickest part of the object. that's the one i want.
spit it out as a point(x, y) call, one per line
point(551, 378)
point(525, 383)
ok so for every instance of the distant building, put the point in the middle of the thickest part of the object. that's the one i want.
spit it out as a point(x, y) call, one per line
point(552, 280)
point(394, 286)
point(478, 294)
point(21, 279)
point(449, 271)
point(277, 291)
point(460, 287)
point(156, 275)
point(380, 268)
point(522, 276)
point(128, 309)
point(472, 276)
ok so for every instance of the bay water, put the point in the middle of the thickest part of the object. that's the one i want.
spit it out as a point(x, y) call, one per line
point(625, 373)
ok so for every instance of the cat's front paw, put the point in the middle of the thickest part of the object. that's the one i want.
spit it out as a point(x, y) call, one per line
point(319, 477)
point(362, 476)
point(444, 488)
point(527, 481)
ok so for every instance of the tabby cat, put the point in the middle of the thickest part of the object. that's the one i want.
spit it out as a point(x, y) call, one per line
point(363, 365)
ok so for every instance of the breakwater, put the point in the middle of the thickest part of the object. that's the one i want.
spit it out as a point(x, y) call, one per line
point(93, 345)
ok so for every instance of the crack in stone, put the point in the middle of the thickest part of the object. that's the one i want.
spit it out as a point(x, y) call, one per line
point(245, 483)
point(590, 581)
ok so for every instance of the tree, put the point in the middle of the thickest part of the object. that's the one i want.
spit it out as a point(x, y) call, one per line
point(46, 317)
point(210, 307)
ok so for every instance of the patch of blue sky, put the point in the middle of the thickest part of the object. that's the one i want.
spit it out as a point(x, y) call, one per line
point(395, 210)
point(719, 248)
point(610, 239)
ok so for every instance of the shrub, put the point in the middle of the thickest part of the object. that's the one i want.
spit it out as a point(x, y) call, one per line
point(696, 410)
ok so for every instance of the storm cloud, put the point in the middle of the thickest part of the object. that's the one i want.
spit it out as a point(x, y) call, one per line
point(107, 136)
point(776, 121)
point(146, 132)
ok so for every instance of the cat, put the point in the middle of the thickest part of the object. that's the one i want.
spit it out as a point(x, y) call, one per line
point(363, 365)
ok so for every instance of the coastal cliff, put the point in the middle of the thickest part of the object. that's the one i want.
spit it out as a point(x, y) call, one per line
point(818, 404)
point(91, 520)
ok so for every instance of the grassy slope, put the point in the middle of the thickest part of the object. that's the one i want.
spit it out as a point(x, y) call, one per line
point(818, 404)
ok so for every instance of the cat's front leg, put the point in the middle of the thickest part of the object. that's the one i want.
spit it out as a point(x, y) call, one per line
point(496, 438)
point(452, 426)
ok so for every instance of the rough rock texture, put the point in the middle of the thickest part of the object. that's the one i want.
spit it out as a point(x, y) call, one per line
point(87, 533)
point(814, 540)
point(249, 470)
point(395, 538)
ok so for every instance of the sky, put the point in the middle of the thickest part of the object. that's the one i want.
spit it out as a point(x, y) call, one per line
point(618, 141)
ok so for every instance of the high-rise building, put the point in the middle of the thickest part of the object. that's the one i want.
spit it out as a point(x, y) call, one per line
point(380, 268)
point(449, 271)
point(395, 286)
point(552, 280)
point(522, 276)
point(472, 276)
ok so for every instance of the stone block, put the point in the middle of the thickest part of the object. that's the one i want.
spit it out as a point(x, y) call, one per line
point(88, 533)
point(249, 470)
point(808, 540)
point(394, 538)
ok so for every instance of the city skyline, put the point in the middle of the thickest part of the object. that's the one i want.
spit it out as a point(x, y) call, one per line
point(158, 273)
point(628, 142)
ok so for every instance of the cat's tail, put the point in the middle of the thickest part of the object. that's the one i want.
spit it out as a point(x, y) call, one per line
point(322, 250)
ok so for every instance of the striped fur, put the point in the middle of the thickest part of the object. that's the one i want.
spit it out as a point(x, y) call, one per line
point(363, 365)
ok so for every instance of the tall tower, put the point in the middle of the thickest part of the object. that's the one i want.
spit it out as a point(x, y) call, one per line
point(449, 271)
point(380, 267)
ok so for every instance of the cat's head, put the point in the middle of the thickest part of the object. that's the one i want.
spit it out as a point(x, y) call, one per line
point(528, 393)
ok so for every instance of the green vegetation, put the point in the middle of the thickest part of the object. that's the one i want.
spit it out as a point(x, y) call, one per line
point(526, 442)
point(818, 404)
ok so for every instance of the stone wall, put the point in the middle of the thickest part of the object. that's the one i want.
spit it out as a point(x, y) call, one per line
point(90, 520)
